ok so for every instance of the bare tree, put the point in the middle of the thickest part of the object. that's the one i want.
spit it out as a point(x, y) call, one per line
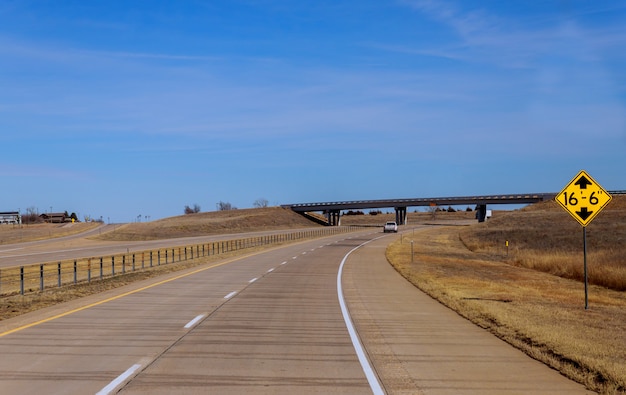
point(32, 216)
point(260, 203)
point(433, 211)
point(192, 210)
point(225, 206)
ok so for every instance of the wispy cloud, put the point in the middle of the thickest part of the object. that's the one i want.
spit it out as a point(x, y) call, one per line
point(485, 37)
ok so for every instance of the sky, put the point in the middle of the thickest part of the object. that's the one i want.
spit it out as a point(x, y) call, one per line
point(131, 110)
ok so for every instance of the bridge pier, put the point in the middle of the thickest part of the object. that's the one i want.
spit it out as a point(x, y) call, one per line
point(481, 212)
point(401, 215)
point(334, 217)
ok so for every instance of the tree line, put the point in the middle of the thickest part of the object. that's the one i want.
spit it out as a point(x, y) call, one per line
point(225, 206)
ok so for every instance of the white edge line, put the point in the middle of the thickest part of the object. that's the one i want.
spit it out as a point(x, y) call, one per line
point(372, 379)
point(284, 263)
point(194, 321)
point(253, 280)
point(119, 380)
point(230, 295)
point(270, 270)
point(11, 249)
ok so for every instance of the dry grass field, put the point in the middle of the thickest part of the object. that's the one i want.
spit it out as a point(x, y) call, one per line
point(10, 234)
point(210, 223)
point(544, 237)
point(533, 297)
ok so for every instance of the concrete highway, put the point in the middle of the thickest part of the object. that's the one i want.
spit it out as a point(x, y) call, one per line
point(81, 246)
point(316, 317)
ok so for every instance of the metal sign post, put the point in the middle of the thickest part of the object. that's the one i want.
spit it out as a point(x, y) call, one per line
point(585, 266)
point(583, 198)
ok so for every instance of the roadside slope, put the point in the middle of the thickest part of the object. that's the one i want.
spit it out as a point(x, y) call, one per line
point(537, 312)
point(210, 223)
point(417, 344)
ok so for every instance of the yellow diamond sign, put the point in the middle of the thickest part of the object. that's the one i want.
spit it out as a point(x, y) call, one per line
point(583, 198)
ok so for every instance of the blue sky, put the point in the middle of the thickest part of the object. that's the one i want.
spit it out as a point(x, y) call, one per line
point(126, 108)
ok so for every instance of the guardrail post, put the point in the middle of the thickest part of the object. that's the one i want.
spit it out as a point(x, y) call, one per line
point(41, 278)
point(143, 259)
point(123, 264)
point(133, 262)
point(101, 267)
point(75, 271)
point(166, 257)
point(22, 280)
point(112, 265)
point(159, 257)
point(59, 274)
point(150, 258)
point(89, 270)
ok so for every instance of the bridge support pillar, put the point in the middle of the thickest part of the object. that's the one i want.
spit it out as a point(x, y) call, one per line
point(334, 217)
point(401, 215)
point(481, 212)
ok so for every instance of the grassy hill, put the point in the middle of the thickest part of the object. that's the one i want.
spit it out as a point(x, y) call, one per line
point(209, 223)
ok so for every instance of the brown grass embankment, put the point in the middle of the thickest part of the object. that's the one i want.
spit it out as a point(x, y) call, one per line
point(211, 223)
point(11, 234)
point(544, 237)
point(541, 314)
point(538, 312)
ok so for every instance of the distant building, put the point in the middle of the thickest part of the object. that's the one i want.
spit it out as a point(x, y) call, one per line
point(55, 218)
point(10, 217)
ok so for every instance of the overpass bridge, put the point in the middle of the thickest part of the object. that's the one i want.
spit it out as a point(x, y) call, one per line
point(333, 209)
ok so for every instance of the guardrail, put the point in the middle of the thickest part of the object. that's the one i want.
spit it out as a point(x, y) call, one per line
point(38, 277)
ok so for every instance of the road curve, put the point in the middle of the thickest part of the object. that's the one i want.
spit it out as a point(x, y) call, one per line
point(419, 346)
point(267, 323)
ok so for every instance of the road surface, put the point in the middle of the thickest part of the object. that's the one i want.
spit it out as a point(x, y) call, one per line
point(80, 246)
point(268, 323)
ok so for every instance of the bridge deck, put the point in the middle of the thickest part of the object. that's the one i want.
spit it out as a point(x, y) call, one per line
point(526, 198)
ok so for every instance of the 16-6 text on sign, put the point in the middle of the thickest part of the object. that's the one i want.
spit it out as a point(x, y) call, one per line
point(583, 198)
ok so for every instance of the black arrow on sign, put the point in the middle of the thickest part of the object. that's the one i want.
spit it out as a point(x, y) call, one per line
point(583, 182)
point(584, 214)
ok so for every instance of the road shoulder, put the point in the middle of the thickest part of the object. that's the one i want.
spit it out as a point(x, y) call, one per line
point(415, 343)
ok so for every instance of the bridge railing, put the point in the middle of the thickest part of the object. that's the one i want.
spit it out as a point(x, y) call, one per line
point(39, 277)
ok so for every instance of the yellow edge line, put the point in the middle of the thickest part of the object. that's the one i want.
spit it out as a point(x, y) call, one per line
point(116, 297)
